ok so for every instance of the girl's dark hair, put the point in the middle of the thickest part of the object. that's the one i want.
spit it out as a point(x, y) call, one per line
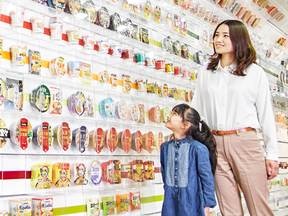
point(204, 136)
point(245, 53)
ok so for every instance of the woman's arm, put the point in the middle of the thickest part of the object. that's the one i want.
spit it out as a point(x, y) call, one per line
point(267, 122)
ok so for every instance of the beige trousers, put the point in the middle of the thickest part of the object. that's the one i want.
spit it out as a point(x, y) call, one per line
point(241, 162)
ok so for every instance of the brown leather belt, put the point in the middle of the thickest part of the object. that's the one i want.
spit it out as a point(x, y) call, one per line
point(232, 131)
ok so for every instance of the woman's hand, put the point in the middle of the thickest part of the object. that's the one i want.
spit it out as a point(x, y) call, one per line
point(272, 168)
point(207, 211)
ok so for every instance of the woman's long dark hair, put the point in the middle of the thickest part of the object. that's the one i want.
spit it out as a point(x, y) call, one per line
point(245, 53)
point(204, 135)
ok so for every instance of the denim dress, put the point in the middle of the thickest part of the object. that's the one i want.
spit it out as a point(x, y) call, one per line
point(188, 180)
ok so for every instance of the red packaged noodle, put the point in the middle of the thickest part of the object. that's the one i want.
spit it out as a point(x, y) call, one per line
point(124, 140)
point(148, 141)
point(111, 139)
point(111, 171)
point(149, 170)
point(137, 142)
point(135, 201)
point(136, 172)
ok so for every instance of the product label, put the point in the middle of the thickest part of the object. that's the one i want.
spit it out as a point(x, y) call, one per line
point(45, 136)
point(65, 135)
point(23, 133)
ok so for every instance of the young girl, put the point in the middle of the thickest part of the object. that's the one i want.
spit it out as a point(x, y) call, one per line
point(188, 163)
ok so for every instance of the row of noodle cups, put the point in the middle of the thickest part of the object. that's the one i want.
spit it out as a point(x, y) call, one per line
point(21, 133)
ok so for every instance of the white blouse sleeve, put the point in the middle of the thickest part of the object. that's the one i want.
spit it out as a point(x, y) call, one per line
point(266, 117)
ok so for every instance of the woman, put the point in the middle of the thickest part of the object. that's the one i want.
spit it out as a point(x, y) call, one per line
point(232, 93)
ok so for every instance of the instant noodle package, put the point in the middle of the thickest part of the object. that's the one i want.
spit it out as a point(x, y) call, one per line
point(96, 172)
point(93, 206)
point(43, 136)
point(80, 174)
point(149, 173)
point(108, 205)
point(123, 203)
point(136, 172)
point(135, 201)
point(97, 138)
point(22, 133)
point(20, 207)
point(80, 138)
point(111, 171)
point(63, 135)
point(42, 207)
point(61, 175)
point(41, 176)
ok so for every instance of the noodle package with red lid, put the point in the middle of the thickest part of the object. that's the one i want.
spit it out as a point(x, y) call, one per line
point(125, 140)
point(97, 138)
point(111, 139)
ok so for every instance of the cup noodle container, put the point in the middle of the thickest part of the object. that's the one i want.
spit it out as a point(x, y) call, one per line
point(18, 54)
point(97, 138)
point(21, 133)
point(111, 171)
point(159, 140)
point(76, 103)
point(3, 133)
point(63, 135)
point(149, 173)
point(43, 136)
point(37, 25)
point(137, 142)
point(121, 110)
point(125, 140)
point(73, 36)
point(79, 173)
point(88, 41)
point(80, 138)
point(17, 18)
point(56, 30)
point(57, 67)
point(73, 68)
point(133, 112)
point(96, 172)
point(154, 115)
point(111, 139)
point(148, 141)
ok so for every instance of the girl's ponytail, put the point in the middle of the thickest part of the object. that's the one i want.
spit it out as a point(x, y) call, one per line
point(205, 137)
point(199, 130)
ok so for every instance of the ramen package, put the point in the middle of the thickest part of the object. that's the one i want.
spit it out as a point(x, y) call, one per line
point(86, 74)
point(80, 174)
point(14, 94)
point(4, 132)
point(127, 84)
point(56, 101)
point(149, 170)
point(96, 172)
point(136, 170)
point(21, 133)
point(108, 205)
point(43, 136)
point(89, 109)
point(61, 175)
point(97, 138)
point(111, 139)
point(114, 80)
point(135, 201)
point(142, 113)
point(20, 207)
point(63, 135)
point(144, 35)
point(34, 62)
point(111, 171)
point(41, 176)
point(80, 138)
point(42, 207)
point(3, 92)
point(123, 203)
point(93, 206)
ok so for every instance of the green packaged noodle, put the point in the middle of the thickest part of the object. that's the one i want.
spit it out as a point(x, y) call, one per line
point(108, 205)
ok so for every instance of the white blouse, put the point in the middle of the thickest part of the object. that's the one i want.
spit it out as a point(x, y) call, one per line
point(230, 102)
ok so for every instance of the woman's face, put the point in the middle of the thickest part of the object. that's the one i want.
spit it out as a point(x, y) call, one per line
point(222, 41)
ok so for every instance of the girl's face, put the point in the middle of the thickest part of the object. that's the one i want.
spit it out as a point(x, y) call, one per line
point(222, 41)
point(174, 122)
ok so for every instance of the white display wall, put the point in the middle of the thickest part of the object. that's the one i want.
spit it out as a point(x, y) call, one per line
point(72, 200)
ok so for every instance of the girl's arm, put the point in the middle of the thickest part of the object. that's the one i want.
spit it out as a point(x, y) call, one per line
point(205, 174)
point(207, 211)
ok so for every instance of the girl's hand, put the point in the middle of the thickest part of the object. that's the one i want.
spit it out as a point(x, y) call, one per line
point(207, 211)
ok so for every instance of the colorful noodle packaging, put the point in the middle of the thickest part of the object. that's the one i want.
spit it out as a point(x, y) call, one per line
point(108, 205)
point(135, 201)
point(123, 203)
